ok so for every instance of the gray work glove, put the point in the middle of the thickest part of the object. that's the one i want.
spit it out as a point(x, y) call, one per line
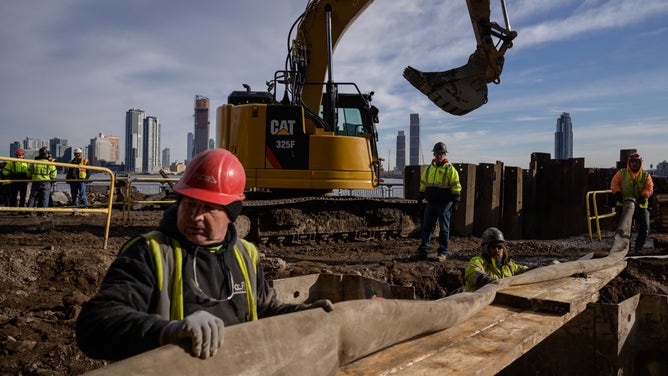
point(200, 333)
point(325, 304)
point(481, 279)
point(454, 207)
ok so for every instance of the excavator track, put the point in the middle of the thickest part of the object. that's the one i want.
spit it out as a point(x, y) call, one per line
point(312, 220)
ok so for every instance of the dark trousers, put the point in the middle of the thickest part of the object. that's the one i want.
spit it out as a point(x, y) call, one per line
point(641, 217)
point(436, 213)
point(20, 190)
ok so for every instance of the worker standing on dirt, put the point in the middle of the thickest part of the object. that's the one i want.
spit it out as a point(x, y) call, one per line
point(184, 282)
point(17, 171)
point(493, 262)
point(440, 186)
point(41, 176)
point(78, 187)
point(634, 183)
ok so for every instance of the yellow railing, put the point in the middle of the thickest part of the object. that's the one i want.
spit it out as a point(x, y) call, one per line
point(128, 201)
point(596, 217)
point(106, 210)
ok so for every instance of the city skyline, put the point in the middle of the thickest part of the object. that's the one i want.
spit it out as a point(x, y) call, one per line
point(71, 69)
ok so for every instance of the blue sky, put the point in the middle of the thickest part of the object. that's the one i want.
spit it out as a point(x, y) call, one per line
point(72, 68)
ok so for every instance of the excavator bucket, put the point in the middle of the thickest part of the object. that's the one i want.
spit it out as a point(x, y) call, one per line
point(457, 91)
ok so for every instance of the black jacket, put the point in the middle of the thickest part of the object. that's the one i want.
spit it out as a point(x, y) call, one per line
point(117, 322)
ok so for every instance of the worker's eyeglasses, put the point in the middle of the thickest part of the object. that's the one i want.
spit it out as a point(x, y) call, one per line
point(202, 295)
point(497, 247)
point(439, 153)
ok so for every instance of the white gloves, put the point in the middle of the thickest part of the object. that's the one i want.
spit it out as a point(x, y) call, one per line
point(200, 333)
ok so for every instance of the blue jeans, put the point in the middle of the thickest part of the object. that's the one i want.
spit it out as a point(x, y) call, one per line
point(40, 194)
point(432, 214)
point(78, 190)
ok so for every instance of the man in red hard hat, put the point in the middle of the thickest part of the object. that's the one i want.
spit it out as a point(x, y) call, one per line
point(183, 283)
point(634, 183)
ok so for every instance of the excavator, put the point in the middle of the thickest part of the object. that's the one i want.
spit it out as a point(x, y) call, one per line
point(307, 134)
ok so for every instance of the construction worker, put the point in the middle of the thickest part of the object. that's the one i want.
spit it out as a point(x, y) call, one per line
point(78, 188)
point(41, 175)
point(634, 183)
point(17, 171)
point(184, 282)
point(440, 186)
point(493, 262)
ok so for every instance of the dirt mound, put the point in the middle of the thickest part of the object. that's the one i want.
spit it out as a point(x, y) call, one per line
point(49, 267)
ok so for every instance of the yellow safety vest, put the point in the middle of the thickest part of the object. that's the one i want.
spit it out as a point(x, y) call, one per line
point(169, 266)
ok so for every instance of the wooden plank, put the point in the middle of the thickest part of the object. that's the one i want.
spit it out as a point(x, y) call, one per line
point(499, 332)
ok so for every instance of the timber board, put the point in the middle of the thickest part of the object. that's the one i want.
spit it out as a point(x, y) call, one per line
point(494, 337)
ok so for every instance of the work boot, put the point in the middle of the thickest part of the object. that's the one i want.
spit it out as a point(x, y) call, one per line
point(421, 256)
point(441, 257)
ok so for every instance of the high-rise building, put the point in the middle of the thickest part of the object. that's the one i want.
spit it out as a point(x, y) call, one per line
point(134, 129)
point(414, 140)
point(166, 158)
point(401, 152)
point(190, 147)
point(13, 147)
point(104, 150)
point(58, 147)
point(563, 137)
point(201, 124)
point(151, 147)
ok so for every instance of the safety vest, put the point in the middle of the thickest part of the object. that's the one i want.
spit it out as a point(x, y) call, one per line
point(440, 177)
point(16, 170)
point(41, 172)
point(169, 266)
point(82, 171)
point(633, 188)
point(508, 269)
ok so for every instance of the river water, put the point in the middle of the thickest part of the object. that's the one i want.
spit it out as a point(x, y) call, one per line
point(154, 184)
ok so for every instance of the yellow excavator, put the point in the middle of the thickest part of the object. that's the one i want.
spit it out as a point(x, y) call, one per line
point(308, 134)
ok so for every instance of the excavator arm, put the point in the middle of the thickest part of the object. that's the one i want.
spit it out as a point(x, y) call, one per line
point(462, 90)
point(457, 91)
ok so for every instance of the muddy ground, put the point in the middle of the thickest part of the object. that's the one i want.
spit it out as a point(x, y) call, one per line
point(50, 266)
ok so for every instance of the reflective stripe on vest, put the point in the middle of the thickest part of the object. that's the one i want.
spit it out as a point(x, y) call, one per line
point(169, 266)
point(82, 171)
point(632, 188)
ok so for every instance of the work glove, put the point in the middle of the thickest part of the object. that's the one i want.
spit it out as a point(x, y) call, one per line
point(619, 197)
point(481, 279)
point(200, 333)
point(325, 304)
point(454, 207)
point(642, 201)
point(420, 197)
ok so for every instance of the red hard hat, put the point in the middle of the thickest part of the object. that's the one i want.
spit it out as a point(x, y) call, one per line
point(20, 152)
point(635, 156)
point(215, 176)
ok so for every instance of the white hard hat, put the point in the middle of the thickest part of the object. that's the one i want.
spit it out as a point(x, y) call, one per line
point(77, 150)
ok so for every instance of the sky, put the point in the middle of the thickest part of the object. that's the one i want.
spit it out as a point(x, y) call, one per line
point(72, 68)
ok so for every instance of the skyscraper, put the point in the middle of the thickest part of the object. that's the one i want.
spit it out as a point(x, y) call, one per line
point(166, 158)
point(190, 147)
point(151, 147)
point(201, 124)
point(104, 150)
point(134, 129)
point(414, 140)
point(563, 137)
point(401, 152)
